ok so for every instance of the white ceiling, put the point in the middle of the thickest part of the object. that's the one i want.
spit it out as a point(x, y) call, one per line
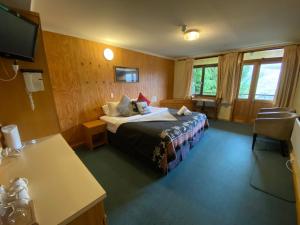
point(152, 26)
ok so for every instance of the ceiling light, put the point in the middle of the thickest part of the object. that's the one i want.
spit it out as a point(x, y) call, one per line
point(190, 34)
point(108, 54)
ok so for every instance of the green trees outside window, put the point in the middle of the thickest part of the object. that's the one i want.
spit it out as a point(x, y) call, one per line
point(205, 80)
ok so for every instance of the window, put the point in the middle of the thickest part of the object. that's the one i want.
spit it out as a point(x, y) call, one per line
point(266, 54)
point(205, 79)
point(245, 82)
point(268, 78)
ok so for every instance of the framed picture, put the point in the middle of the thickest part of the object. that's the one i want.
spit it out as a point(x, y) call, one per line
point(126, 74)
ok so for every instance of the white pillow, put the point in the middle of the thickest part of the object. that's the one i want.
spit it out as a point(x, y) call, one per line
point(113, 111)
point(105, 109)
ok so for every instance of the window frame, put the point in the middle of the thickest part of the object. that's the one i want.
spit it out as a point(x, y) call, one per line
point(255, 75)
point(202, 79)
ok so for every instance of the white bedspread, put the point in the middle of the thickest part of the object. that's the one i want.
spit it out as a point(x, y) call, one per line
point(157, 114)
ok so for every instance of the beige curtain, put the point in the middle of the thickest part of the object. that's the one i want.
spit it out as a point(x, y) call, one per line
point(188, 73)
point(229, 69)
point(289, 76)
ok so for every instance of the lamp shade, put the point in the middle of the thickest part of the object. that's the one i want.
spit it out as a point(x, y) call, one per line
point(108, 54)
point(191, 35)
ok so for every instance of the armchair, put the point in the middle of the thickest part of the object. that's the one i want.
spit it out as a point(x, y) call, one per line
point(275, 125)
point(277, 109)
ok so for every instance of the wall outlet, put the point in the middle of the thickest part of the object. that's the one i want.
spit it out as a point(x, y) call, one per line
point(112, 95)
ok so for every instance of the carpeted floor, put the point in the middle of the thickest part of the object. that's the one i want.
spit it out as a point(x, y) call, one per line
point(210, 187)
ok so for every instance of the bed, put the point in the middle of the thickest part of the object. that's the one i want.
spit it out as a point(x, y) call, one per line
point(162, 137)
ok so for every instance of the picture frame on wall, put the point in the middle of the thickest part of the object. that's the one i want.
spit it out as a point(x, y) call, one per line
point(126, 74)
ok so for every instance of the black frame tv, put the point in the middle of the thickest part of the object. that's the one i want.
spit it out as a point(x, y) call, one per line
point(12, 43)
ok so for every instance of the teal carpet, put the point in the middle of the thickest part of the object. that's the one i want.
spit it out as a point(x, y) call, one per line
point(270, 173)
point(210, 187)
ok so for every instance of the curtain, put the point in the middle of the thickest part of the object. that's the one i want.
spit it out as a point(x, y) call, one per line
point(289, 76)
point(229, 69)
point(188, 73)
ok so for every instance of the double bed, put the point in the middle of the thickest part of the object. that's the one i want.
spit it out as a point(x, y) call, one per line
point(161, 137)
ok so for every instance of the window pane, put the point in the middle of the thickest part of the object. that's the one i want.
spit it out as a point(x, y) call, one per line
point(210, 81)
point(267, 81)
point(245, 82)
point(196, 82)
point(274, 53)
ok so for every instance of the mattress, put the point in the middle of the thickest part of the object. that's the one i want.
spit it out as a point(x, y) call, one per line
point(157, 114)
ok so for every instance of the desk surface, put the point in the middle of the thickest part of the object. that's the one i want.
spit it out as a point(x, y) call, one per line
point(60, 185)
point(204, 99)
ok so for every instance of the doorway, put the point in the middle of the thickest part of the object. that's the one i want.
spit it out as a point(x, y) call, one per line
point(257, 88)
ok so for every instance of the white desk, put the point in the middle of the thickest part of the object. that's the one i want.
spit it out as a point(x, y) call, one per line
point(60, 185)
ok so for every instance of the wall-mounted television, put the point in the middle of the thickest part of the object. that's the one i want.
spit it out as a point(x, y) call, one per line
point(17, 35)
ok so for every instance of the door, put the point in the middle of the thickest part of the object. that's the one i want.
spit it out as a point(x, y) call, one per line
point(257, 88)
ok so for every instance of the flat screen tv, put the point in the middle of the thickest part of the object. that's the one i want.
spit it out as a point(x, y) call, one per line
point(17, 35)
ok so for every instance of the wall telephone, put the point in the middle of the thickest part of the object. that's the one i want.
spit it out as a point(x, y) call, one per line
point(33, 83)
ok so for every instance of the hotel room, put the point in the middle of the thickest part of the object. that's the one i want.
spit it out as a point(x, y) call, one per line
point(149, 112)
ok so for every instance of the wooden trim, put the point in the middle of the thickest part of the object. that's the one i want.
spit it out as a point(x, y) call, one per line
point(296, 179)
point(206, 65)
point(207, 57)
point(243, 50)
point(263, 60)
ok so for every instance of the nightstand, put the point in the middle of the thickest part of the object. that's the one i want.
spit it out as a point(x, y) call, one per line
point(95, 133)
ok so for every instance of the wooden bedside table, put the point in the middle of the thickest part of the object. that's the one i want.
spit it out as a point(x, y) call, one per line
point(95, 133)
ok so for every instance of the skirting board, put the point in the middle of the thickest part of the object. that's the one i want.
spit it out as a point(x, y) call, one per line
point(296, 177)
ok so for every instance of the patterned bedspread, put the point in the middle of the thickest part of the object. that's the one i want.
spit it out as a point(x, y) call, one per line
point(157, 141)
point(174, 137)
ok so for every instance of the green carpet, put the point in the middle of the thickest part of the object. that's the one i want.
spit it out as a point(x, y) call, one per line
point(210, 187)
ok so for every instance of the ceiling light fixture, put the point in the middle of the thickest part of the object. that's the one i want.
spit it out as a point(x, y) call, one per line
point(190, 34)
point(108, 54)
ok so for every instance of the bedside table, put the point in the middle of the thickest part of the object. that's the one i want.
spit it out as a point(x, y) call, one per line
point(95, 133)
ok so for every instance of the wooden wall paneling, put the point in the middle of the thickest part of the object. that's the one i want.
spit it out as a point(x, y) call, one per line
point(15, 107)
point(85, 80)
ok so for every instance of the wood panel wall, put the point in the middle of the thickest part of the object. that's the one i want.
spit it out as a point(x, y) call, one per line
point(14, 104)
point(83, 80)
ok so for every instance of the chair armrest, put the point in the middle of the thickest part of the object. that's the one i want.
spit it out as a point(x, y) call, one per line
point(277, 109)
point(273, 114)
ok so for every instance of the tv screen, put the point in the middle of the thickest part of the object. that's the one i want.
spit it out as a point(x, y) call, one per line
point(17, 35)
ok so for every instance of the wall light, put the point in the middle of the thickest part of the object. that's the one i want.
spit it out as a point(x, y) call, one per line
point(108, 54)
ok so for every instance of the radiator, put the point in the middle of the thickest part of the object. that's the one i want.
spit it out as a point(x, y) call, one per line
point(296, 140)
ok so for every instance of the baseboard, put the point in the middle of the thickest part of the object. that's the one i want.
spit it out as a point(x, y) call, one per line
point(296, 177)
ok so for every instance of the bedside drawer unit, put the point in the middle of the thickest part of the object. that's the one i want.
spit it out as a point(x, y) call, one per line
point(95, 133)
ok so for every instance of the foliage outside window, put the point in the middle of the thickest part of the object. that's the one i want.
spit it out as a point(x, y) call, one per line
point(267, 81)
point(205, 80)
point(245, 82)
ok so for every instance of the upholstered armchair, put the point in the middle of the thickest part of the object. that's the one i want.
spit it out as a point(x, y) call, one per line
point(275, 125)
point(277, 109)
